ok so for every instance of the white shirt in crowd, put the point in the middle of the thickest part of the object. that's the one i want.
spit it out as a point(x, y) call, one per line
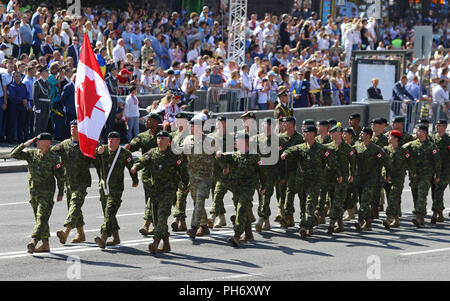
point(131, 106)
point(199, 70)
point(204, 80)
point(440, 96)
point(119, 54)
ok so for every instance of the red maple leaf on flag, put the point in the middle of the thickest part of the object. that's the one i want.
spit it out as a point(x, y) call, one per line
point(87, 98)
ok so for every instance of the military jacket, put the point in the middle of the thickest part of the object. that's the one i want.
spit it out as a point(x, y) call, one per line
point(345, 157)
point(443, 144)
point(401, 160)
point(426, 156)
point(369, 160)
point(245, 170)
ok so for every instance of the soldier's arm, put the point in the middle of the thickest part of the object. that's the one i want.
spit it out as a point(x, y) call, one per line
point(59, 175)
point(129, 162)
point(18, 153)
point(352, 161)
point(261, 174)
point(410, 163)
point(333, 163)
point(385, 161)
point(436, 162)
point(183, 171)
point(135, 144)
point(141, 162)
point(58, 149)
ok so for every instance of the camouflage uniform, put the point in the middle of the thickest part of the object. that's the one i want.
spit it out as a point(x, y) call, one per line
point(78, 179)
point(144, 141)
point(200, 168)
point(312, 162)
point(405, 138)
point(292, 186)
point(356, 137)
point(112, 201)
point(381, 141)
point(443, 144)
point(244, 171)
point(428, 165)
point(42, 171)
point(401, 160)
point(368, 160)
point(180, 202)
point(327, 190)
point(166, 170)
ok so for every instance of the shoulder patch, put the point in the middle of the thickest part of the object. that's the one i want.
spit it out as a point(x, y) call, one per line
point(379, 155)
point(58, 166)
point(129, 159)
point(179, 162)
point(352, 153)
point(435, 151)
point(327, 153)
point(260, 162)
point(407, 155)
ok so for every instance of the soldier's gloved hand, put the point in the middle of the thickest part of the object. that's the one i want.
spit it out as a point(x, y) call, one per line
point(283, 157)
point(59, 198)
point(437, 180)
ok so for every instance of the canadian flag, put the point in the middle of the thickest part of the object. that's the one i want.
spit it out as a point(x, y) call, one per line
point(93, 102)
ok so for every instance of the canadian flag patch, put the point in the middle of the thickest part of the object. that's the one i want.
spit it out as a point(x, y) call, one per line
point(179, 162)
point(351, 153)
point(58, 166)
point(260, 162)
point(129, 159)
point(435, 151)
point(379, 155)
point(280, 148)
point(327, 154)
point(407, 155)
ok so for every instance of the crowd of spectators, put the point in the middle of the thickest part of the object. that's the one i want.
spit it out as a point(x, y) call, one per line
point(142, 50)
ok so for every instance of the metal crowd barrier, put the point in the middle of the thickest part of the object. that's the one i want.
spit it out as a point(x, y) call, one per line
point(226, 100)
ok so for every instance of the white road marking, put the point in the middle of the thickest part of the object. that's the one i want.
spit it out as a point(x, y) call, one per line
point(22, 203)
point(232, 277)
point(424, 252)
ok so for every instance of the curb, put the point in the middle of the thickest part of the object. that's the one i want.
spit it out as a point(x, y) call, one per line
point(14, 168)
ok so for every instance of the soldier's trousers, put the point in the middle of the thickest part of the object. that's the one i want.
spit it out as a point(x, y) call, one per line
point(264, 200)
point(75, 198)
point(110, 206)
point(293, 187)
point(326, 192)
point(244, 200)
point(377, 200)
point(394, 198)
point(180, 205)
point(280, 190)
point(422, 186)
point(162, 206)
point(148, 210)
point(437, 193)
point(351, 197)
point(339, 194)
point(199, 189)
point(414, 191)
point(312, 198)
point(42, 208)
point(366, 196)
point(220, 189)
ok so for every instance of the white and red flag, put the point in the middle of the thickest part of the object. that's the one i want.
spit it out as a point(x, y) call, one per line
point(93, 102)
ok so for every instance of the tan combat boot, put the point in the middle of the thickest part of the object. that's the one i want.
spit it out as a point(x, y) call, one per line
point(266, 225)
point(434, 217)
point(153, 247)
point(258, 225)
point(44, 248)
point(340, 227)
point(417, 221)
point(374, 213)
point(358, 224)
point(101, 241)
point(32, 245)
point(63, 234)
point(309, 232)
point(174, 225)
point(144, 228)
point(440, 217)
point(251, 216)
point(396, 222)
point(290, 221)
point(182, 224)
point(211, 220)
point(327, 210)
point(388, 221)
point(302, 232)
point(248, 234)
point(234, 240)
point(192, 232)
point(222, 222)
point(115, 240)
point(350, 215)
point(279, 215)
point(79, 237)
point(367, 225)
point(165, 246)
point(331, 226)
point(203, 230)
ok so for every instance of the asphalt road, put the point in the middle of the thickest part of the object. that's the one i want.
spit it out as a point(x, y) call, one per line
point(406, 253)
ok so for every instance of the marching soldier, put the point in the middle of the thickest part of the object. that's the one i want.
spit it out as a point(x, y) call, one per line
point(145, 141)
point(179, 214)
point(290, 185)
point(352, 194)
point(282, 109)
point(442, 141)
point(166, 170)
point(312, 159)
point(220, 183)
point(346, 158)
point(398, 124)
point(324, 199)
point(369, 157)
point(401, 160)
point(78, 179)
point(354, 121)
point(200, 165)
point(428, 166)
point(43, 168)
point(245, 176)
point(110, 162)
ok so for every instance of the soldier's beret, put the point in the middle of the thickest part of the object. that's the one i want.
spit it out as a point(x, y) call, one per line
point(288, 119)
point(336, 128)
point(423, 120)
point(398, 119)
point(74, 122)
point(242, 135)
point(442, 121)
point(422, 127)
point(332, 121)
point(155, 116)
point(396, 133)
point(221, 118)
point(163, 134)
point(367, 130)
point(248, 115)
point(377, 121)
point(384, 120)
point(323, 122)
point(310, 128)
point(349, 130)
point(268, 120)
point(44, 136)
point(114, 134)
point(309, 122)
point(355, 116)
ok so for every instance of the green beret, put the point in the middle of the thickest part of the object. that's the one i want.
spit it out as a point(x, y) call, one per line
point(398, 119)
point(367, 130)
point(423, 120)
point(309, 122)
point(442, 121)
point(288, 119)
point(44, 136)
point(114, 134)
point(163, 134)
point(423, 128)
point(336, 129)
point(323, 122)
point(355, 116)
point(332, 121)
point(377, 121)
point(310, 128)
point(155, 116)
point(349, 130)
